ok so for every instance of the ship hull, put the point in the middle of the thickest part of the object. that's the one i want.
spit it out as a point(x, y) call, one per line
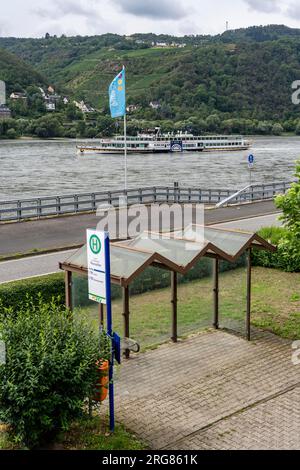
point(100, 151)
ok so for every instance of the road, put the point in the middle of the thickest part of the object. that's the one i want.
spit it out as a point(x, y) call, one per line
point(48, 263)
point(253, 224)
point(66, 232)
point(32, 266)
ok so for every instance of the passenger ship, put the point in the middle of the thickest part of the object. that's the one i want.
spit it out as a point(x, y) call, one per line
point(161, 143)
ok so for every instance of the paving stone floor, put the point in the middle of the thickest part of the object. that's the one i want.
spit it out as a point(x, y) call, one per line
point(213, 390)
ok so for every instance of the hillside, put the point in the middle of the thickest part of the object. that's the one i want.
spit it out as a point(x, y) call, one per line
point(16, 73)
point(233, 82)
point(259, 34)
point(247, 80)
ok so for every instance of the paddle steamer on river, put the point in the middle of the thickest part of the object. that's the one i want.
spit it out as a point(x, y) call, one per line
point(163, 143)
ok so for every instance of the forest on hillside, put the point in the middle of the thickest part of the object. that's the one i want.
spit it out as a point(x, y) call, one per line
point(238, 82)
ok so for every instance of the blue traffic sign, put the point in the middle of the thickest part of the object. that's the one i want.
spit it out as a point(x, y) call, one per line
point(251, 159)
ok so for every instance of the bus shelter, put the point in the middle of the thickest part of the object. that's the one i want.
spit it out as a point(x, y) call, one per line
point(177, 252)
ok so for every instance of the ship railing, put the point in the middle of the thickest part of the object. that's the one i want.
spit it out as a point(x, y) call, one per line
point(80, 203)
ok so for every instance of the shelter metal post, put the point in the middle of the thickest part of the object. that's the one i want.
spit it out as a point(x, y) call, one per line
point(216, 293)
point(101, 315)
point(248, 313)
point(126, 316)
point(68, 289)
point(174, 306)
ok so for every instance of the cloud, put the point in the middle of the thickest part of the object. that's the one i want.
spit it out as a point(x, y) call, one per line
point(68, 7)
point(155, 9)
point(293, 10)
point(4, 26)
point(264, 6)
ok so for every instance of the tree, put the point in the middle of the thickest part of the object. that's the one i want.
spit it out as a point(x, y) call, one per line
point(48, 126)
point(277, 129)
point(73, 113)
point(213, 122)
point(8, 129)
point(290, 206)
point(11, 133)
point(297, 130)
point(81, 128)
point(264, 127)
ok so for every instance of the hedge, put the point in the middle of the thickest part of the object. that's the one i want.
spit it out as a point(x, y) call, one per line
point(15, 294)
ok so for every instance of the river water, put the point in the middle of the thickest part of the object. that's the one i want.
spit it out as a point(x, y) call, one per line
point(38, 168)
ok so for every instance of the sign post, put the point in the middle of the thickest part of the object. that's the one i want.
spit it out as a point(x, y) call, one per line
point(251, 161)
point(98, 256)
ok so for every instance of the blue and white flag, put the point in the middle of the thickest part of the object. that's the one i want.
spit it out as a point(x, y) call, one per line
point(117, 95)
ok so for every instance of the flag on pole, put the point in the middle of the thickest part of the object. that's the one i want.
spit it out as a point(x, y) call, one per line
point(117, 95)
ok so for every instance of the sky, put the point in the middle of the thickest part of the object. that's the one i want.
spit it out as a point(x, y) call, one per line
point(34, 18)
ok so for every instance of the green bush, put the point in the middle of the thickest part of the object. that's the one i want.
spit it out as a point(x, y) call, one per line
point(49, 370)
point(283, 258)
point(14, 294)
point(287, 238)
point(289, 245)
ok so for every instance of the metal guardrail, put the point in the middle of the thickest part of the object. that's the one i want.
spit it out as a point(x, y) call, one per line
point(232, 197)
point(37, 208)
point(256, 192)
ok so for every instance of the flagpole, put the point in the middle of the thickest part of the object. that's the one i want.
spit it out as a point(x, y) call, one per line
point(125, 138)
point(125, 149)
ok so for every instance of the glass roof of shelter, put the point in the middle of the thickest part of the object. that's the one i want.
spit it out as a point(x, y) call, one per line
point(168, 249)
point(123, 263)
point(230, 242)
point(178, 251)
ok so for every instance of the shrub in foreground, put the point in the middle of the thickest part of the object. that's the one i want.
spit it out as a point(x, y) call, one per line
point(289, 203)
point(287, 238)
point(49, 370)
point(287, 256)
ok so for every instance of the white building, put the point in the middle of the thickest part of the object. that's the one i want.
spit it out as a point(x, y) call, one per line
point(154, 105)
point(18, 96)
point(84, 108)
point(42, 92)
point(131, 108)
point(50, 106)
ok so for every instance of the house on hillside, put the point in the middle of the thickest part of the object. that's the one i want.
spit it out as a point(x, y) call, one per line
point(42, 92)
point(154, 105)
point(5, 112)
point(178, 44)
point(18, 96)
point(84, 108)
point(131, 108)
point(162, 44)
point(50, 106)
point(51, 101)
